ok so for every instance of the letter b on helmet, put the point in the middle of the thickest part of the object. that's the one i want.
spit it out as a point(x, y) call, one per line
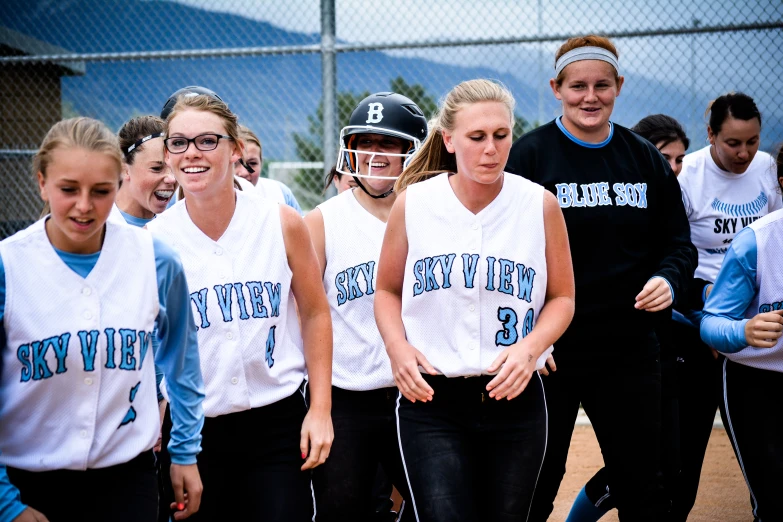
point(374, 111)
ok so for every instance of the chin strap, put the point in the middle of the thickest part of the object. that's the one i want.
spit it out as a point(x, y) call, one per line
point(380, 196)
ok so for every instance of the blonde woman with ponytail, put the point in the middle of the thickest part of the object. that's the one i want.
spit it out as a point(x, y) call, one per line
point(463, 293)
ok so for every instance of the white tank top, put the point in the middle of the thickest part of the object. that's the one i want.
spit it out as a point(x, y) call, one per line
point(769, 278)
point(249, 339)
point(474, 283)
point(77, 388)
point(353, 239)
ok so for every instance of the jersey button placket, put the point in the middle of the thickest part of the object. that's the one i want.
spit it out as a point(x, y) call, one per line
point(88, 411)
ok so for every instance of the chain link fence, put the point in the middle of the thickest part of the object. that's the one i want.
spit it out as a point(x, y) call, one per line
point(294, 70)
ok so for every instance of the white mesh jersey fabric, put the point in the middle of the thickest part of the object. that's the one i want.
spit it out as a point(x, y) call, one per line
point(720, 204)
point(77, 389)
point(353, 239)
point(270, 189)
point(474, 283)
point(250, 343)
point(769, 278)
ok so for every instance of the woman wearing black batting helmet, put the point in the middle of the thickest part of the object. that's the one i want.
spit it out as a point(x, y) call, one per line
point(347, 231)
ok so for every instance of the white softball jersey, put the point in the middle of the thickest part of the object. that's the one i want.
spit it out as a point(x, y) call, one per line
point(249, 338)
point(769, 278)
point(353, 239)
point(77, 388)
point(270, 189)
point(719, 204)
point(474, 283)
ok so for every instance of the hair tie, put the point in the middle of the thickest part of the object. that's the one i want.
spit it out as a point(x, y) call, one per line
point(586, 53)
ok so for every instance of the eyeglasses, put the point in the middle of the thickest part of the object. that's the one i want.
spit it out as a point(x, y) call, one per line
point(203, 142)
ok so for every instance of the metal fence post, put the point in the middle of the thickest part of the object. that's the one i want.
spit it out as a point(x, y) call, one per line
point(329, 83)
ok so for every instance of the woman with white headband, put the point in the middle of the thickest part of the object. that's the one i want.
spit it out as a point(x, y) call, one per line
point(632, 256)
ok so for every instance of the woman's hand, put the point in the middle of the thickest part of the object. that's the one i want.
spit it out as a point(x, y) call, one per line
point(316, 438)
point(186, 482)
point(655, 296)
point(764, 330)
point(550, 362)
point(516, 364)
point(405, 362)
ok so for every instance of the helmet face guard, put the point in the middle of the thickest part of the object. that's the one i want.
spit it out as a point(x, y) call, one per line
point(348, 157)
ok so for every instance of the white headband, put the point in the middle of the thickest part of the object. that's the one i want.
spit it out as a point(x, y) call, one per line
point(586, 53)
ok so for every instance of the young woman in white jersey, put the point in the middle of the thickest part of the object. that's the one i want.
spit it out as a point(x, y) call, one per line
point(78, 408)
point(250, 169)
point(147, 183)
point(474, 285)
point(743, 319)
point(347, 231)
point(246, 259)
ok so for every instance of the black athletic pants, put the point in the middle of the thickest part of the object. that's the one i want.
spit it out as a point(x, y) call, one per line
point(249, 465)
point(690, 393)
point(754, 422)
point(122, 493)
point(365, 435)
point(470, 458)
point(621, 394)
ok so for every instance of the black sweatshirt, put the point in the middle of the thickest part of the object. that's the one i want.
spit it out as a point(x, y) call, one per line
point(625, 218)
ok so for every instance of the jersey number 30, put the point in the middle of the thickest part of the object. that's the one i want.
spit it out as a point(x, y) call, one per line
point(508, 335)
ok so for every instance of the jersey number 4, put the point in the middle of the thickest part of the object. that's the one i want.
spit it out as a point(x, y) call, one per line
point(508, 335)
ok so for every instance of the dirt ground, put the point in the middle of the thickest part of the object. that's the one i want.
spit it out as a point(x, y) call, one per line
point(722, 492)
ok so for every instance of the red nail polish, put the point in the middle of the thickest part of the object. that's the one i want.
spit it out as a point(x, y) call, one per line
point(181, 506)
point(304, 455)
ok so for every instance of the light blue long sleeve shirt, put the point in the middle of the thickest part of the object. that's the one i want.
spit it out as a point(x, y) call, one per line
point(723, 322)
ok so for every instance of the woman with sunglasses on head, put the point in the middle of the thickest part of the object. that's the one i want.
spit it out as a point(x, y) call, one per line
point(246, 259)
point(632, 258)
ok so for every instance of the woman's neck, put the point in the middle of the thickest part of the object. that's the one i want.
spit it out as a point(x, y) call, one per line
point(212, 212)
point(127, 204)
point(378, 207)
point(595, 136)
point(473, 195)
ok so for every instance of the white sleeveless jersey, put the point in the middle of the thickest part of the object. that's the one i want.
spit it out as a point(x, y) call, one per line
point(769, 278)
point(474, 283)
point(77, 388)
point(249, 338)
point(353, 239)
point(720, 204)
point(270, 189)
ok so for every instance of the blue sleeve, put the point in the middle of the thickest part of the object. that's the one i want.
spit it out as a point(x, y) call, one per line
point(723, 323)
point(289, 197)
point(178, 356)
point(10, 501)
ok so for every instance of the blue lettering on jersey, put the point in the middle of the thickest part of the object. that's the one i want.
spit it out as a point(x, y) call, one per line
point(273, 293)
point(35, 367)
point(424, 270)
point(508, 335)
point(199, 299)
point(224, 300)
point(349, 284)
point(127, 342)
point(89, 348)
point(525, 277)
point(426, 276)
point(469, 264)
point(597, 194)
point(256, 289)
point(241, 301)
point(418, 273)
point(270, 347)
point(770, 307)
point(131, 415)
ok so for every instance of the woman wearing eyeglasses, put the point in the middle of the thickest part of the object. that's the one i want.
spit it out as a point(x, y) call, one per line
point(246, 258)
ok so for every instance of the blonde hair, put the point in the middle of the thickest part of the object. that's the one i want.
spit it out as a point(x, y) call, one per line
point(85, 133)
point(248, 135)
point(206, 103)
point(591, 40)
point(432, 158)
